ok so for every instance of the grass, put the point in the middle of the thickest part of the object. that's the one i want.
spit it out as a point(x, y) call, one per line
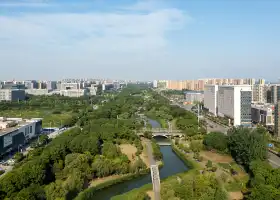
point(225, 165)
point(49, 119)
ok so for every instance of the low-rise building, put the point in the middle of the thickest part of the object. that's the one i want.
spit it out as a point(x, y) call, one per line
point(263, 114)
point(192, 97)
point(12, 95)
point(37, 91)
point(74, 92)
point(15, 132)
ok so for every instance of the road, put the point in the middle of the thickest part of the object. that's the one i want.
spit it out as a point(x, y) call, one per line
point(273, 160)
point(211, 126)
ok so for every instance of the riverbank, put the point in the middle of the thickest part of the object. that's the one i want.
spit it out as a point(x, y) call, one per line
point(191, 168)
point(162, 123)
point(89, 193)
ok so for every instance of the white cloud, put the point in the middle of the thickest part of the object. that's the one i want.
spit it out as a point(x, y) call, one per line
point(90, 37)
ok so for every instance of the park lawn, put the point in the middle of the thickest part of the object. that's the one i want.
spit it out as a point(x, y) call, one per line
point(129, 150)
point(216, 157)
point(144, 154)
point(49, 119)
point(173, 123)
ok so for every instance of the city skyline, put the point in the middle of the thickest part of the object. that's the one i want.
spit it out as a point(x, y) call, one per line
point(146, 39)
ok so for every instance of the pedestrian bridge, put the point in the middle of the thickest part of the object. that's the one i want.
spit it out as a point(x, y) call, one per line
point(162, 132)
point(155, 181)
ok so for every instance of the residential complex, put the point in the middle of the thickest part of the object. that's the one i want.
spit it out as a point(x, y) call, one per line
point(199, 84)
point(259, 93)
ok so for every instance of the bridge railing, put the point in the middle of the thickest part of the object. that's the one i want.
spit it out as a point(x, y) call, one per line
point(162, 130)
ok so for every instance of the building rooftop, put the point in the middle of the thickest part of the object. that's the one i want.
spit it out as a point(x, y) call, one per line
point(19, 123)
point(266, 106)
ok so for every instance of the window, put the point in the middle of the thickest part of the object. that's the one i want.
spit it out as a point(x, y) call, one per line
point(30, 129)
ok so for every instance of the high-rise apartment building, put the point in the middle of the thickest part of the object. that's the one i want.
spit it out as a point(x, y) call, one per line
point(277, 120)
point(234, 102)
point(275, 93)
point(210, 98)
point(259, 93)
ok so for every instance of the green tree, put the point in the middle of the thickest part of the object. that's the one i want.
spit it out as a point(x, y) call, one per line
point(264, 192)
point(247, 145)
point(148, 134)
point(216, 140)
point(55, 190)
point(110, 150)
point(18, 157)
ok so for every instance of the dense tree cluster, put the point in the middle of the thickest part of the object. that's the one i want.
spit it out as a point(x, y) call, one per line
point(156, 151)
point(159, 108)
point(247, 145)
point(216, 140)
point(65, 166)
point(193, 186)
point(249, 148)
point(265, 182)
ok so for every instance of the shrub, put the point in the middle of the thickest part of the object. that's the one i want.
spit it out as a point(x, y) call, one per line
point(209, 164)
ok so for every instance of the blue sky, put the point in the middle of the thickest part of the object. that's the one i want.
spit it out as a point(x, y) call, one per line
point(145, 39)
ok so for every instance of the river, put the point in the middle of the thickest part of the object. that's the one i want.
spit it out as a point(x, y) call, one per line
point(172, 165)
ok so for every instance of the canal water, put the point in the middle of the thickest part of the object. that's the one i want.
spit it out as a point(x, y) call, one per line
point(172, 165)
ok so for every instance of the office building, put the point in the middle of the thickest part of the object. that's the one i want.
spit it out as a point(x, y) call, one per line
point(192, 97)
point(74, 92)
point(277, 120)
point(38, 91)
point(15, 132)
point(234, 102)
point(210, 98)
point(263, 114)
point(12, 95)
point(70, 86)
point(51, 85)
point(155, 84)
point(12, 86)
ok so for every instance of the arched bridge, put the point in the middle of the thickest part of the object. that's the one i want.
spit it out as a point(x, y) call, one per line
point(162, 132)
